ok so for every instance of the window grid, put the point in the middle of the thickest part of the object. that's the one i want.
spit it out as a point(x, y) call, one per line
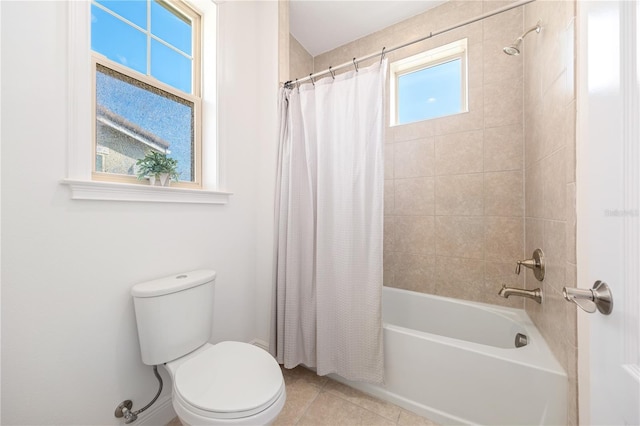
point(150, 36)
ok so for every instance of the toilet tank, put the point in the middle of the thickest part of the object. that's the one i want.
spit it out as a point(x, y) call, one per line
point(173, 314)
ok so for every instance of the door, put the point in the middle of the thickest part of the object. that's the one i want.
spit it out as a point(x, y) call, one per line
point(608, 209)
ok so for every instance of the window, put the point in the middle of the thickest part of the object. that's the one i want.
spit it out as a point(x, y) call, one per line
point(146, 81)
point(430, 85)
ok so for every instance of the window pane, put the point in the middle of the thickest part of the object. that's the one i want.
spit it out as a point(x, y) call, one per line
point(118, 41)
point(99, 166)
point(133, 118)
point(134, 11)
point(170, 67)
point(430, 92)
point(171, 26)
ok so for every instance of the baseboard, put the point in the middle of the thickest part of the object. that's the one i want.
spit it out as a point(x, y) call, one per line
point(260, 343)
point(159, 414)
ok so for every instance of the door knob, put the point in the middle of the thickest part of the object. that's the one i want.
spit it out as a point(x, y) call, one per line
point(598, 297)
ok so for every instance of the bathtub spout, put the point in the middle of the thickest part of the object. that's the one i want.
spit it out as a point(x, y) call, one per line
point(535, 294)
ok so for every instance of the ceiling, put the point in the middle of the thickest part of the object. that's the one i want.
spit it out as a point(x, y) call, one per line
point(323, 25)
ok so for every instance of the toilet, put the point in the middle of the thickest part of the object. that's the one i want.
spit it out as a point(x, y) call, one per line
point(229, 383)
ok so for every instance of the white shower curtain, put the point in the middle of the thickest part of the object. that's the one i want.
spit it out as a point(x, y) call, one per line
point(329, 215)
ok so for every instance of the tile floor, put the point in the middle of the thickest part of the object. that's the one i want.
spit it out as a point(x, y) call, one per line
point(315, 400)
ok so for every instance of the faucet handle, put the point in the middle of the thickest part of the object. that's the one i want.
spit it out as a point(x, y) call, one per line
point(529, 263)
point(536, 264)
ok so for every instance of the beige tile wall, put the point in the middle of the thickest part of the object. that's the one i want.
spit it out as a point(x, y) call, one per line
point(300, 61)
point(550, 218)
point(454, 200)
point(283, 40)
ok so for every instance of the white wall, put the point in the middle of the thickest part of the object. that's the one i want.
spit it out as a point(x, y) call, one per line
point(69, 344)
point(267, 151)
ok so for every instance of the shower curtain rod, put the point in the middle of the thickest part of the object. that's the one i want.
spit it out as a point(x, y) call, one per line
point(384, 51)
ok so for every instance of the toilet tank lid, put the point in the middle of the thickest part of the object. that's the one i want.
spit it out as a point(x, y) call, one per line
point(173, 283)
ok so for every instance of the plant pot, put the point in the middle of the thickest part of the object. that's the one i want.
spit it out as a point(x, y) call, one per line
point(165, 180)
point(152, 180)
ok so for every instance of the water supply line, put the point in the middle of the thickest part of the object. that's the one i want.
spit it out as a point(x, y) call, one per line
point(124, 408)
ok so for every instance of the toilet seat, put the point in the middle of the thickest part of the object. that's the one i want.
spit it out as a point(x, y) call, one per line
point(229, 380)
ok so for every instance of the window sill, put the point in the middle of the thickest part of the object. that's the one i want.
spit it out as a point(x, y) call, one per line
point(109, 191)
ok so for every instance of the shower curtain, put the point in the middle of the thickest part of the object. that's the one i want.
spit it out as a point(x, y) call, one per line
point(329, 214)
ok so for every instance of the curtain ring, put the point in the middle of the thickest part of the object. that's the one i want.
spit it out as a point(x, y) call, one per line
point(297, 85)
point(355, 64)
point(311, 78)
point(333, 74)
point(382, 55)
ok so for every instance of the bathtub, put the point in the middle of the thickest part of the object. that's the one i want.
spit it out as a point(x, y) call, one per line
point(456, 362)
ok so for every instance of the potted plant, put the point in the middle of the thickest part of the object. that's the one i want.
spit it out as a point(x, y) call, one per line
point(156, 165)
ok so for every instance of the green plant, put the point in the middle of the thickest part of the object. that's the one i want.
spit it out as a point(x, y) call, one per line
point(156, 163)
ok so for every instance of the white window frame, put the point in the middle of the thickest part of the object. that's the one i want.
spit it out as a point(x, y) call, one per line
point(430, 58)
point(194, 97)
point(80, 140)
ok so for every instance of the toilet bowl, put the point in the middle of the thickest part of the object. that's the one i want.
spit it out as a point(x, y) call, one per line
point(229, 383)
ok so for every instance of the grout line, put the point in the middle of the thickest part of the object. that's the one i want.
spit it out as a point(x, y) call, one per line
point(337, 395)
point(304, 413)
point(322, 389)
point(369, 396)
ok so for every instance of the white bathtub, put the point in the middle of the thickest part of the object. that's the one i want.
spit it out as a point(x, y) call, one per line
point(456, 362)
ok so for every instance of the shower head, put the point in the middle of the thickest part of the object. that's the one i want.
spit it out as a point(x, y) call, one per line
point(514, 48)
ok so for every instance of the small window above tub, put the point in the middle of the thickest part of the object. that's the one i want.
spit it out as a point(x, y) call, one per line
point(430, 84)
